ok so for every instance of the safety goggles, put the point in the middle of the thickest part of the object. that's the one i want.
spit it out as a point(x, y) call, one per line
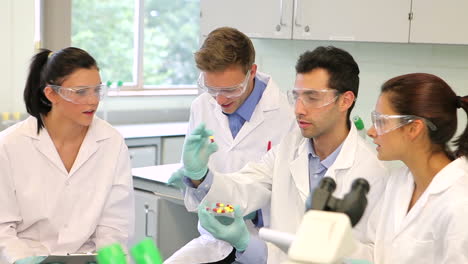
point(312, 98)
point(81, 94)
point(229, 92)
point(386, 123)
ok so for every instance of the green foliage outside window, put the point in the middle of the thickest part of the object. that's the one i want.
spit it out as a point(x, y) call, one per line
point(106, 29)
point(171, 38)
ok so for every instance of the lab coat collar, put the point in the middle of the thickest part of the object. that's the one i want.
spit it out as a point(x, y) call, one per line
point(270, 101)
point(98, 131)
point(299, 166)
point(347, 155)
point(245, 111)
point(95, 131)
point(273, 95)
point(448, 176)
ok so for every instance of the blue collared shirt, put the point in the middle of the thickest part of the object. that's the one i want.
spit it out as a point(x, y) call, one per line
point(318, 168)
point(245, 111)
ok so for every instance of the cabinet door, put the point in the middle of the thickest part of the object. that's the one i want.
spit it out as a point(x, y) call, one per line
point(258, 18)
point(143, 156)
point(358, 20)
point(167, 223)
point(172, 149)
point(176, 227)
point(436, 21)
point(144, 151)
point(146, 207)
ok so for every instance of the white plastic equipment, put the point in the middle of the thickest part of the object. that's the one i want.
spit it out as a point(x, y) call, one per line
point(322, 238)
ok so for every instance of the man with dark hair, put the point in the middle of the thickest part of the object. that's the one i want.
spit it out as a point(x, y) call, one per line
point(324, 144)
point(343, 70)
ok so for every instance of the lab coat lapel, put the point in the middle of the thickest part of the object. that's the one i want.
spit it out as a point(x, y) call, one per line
point(222, 121)
point(249, 126)
point(44, 144)
point(403, 198)
point(299, 168)
point(344, 161)
point(440, 183)
point(90, 145)
point(268, 102)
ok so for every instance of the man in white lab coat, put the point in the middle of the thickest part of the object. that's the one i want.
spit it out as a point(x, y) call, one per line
point(241, 106)
point(324, 144)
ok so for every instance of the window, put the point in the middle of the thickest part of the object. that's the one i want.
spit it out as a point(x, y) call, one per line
point(145, 44)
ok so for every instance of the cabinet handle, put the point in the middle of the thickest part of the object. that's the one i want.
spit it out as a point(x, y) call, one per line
point(296, 15)
point(147, 212)
point(281, 23)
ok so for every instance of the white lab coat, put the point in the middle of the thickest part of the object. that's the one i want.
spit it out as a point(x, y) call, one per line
point(434, 231)
point(46, 210)
point(282, 177)
point(271, 120)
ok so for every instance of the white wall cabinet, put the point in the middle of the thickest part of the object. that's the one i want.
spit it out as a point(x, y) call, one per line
point(402, 21)
point(357, 20)
point(436, 21)
point(257, 19)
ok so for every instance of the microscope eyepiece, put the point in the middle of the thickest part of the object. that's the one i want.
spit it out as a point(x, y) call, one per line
point(360, 184)
point(352, 204)
point(328, 184)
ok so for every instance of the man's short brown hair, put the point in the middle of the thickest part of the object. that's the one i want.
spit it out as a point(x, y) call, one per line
point(225, 47)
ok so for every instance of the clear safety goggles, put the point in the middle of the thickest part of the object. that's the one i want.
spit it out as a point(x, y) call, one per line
point(386, 123)
point(312, 98)
point(81, 94)
point(229, 92)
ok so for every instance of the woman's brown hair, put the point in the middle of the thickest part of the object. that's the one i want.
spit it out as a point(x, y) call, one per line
point(429, 96)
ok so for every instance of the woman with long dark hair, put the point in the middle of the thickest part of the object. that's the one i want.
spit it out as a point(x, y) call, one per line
point(65, 180)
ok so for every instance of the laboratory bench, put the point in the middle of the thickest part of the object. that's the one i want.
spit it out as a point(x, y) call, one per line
point(159, 208)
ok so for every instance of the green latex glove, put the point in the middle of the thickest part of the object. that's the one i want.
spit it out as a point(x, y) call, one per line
point(197, 150)
point(31, 260)
point(250, 216)
point(176, 179)
point(235, 232)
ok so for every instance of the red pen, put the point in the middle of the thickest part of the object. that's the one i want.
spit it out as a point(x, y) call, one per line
point(269, 145)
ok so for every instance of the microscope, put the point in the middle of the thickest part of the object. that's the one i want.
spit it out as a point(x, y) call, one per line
point(325, 233)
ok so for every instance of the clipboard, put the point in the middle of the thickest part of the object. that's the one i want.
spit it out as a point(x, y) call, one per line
point(71, 259)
